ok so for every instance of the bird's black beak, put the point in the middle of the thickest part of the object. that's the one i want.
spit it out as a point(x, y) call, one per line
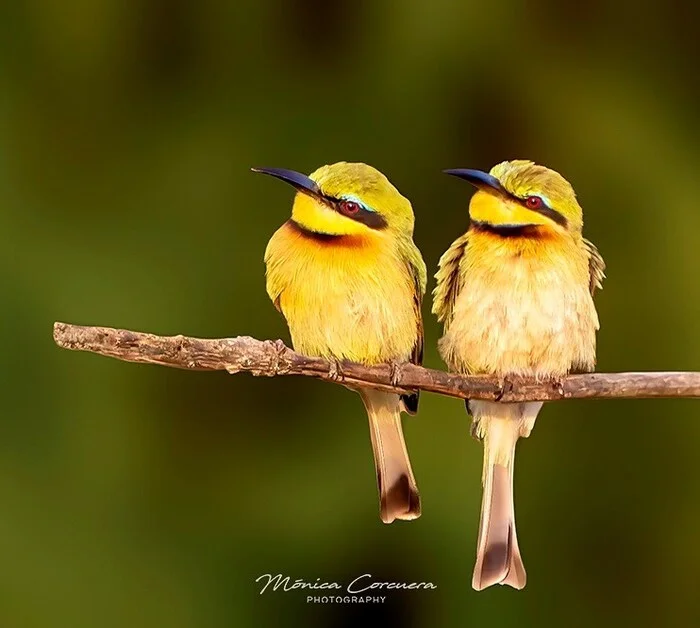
point(477, 178)
point(300, 181)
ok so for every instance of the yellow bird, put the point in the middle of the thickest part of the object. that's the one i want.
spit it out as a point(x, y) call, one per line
point(348, 278)
point(515, 296)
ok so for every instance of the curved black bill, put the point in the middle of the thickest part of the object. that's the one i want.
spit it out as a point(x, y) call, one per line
point(477, 177)
point(300, 181)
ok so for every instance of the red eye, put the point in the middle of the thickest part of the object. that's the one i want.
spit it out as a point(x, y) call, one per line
point(534, 202)
point(349, 207)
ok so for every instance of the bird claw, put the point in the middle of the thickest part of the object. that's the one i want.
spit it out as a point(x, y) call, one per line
point(396, 372)
point(335, 370)
point(559, 386)
point(505, 386)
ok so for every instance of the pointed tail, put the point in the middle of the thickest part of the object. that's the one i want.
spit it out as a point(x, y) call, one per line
point(498, 559)
point(398, 492)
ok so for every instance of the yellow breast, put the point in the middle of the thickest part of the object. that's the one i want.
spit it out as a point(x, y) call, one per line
point(524, 307)
point(347, 297)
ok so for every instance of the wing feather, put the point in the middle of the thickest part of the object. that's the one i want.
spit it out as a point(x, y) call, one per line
point(596, 266)
point(418, 274)
point(448, 280)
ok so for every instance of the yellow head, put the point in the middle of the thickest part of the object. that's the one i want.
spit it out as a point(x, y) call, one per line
point(522, 194)
point(347, 199)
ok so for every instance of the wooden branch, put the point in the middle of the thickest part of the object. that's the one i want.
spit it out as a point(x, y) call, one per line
point(272, 358)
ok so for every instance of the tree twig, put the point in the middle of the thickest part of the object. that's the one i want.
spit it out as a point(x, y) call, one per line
point(272, 358)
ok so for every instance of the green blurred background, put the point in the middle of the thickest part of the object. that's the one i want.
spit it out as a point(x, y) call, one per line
point(143, 496)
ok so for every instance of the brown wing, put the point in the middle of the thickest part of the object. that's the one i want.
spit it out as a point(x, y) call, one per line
point(448, 280)
point(596, 266)
point(410, 401)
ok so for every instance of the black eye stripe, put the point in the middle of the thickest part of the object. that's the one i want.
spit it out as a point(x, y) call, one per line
point(545, 210)
point(373, 220)
point(553, 214)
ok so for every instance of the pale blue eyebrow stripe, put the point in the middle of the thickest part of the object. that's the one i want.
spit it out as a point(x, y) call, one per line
point(355, 199)
point(546, 200)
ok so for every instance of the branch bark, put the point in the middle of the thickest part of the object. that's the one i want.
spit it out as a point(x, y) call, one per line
point(272, 358)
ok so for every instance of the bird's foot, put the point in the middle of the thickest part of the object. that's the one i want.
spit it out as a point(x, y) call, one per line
point(335, 370)
point(505, 385)
point(558, 384)
point(396, 372)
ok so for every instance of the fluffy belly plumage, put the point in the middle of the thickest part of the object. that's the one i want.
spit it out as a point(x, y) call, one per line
point(523, 315)
point(348, 302)
point(349, 318)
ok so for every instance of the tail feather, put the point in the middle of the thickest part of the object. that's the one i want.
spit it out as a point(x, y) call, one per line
point(498, 556)
point(498, 559)
point(398, 492)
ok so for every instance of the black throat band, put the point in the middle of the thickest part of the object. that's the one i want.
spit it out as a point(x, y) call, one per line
point(507, 231)
point(314, 235)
